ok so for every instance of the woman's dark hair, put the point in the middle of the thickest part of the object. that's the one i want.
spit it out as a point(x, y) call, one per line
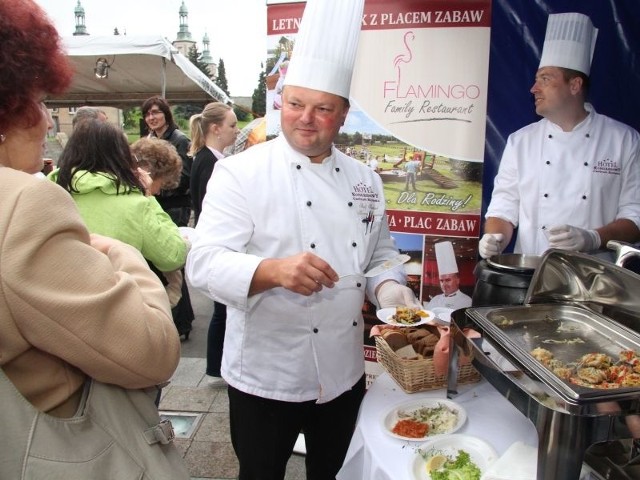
point(32, 62)
point(99, 147)
point(162, 104)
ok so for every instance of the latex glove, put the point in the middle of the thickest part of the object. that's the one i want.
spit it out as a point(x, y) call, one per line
point(568, 237)
point(391, 294)
point(491, 244)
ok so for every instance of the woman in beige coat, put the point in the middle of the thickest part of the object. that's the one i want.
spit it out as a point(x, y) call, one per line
point(72, 306)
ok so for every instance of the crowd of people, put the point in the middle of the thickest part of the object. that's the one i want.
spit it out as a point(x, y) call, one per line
point(95, 258)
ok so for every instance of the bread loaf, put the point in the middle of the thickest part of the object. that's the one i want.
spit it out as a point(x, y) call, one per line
point(395, 339)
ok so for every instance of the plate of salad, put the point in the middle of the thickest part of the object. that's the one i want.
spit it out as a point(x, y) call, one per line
point(453, 457)
point(420, 419)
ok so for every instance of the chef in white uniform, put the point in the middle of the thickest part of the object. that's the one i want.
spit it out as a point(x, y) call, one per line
point(571, 180)
point(280, 222)
point(451, 296)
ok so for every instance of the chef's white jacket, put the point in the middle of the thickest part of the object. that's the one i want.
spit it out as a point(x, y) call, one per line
point(272, 202)
point(454, 301)
point(587, 178)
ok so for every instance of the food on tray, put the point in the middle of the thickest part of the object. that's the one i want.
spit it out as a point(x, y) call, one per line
point(408, 315)
point(595, 370)
point(592, 375)
point(542, 355)
point(597, 360)
point(438, 419)
point(459, 468)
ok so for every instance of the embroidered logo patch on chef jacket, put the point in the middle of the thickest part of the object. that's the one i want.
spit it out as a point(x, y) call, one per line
point(363, 192)
point(368, 204)
point(607, 166)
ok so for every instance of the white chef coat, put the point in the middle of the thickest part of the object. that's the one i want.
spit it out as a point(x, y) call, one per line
point(272, 202)
point(454, 301)
point(587, 178)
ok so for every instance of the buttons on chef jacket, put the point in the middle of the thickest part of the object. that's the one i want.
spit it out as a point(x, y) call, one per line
point(308, 203)
point(586, 164)
point(587, 135)
point(337, 169)
point(548, 162)
point(313, 245)
point(350, 204)
point(584, 197)
point(550, 136)
point(546, 195)
point(298, 167)
point(355, 324)
point(315, 330)
point(354, 244)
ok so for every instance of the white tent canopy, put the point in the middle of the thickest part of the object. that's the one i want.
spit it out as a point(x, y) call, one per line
point(139, 68)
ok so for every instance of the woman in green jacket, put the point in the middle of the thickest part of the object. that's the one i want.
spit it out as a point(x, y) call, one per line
point(97, 168)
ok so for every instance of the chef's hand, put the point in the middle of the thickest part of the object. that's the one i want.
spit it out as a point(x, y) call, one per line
point(491, 244)
point(568, 237)
point(304, 273)
point(392, 294)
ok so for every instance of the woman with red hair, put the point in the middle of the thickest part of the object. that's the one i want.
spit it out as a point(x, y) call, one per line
point(73, 306)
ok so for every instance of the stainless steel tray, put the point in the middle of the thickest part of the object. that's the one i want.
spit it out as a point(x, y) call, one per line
point(555, 327)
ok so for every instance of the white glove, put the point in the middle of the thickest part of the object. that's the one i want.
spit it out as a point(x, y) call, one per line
point(568, 237)
point(491, 244)
point(392, 294)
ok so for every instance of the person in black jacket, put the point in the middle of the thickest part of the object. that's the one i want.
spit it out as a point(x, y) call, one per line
point(159, 119)
point(176, 202)
point(212, 131)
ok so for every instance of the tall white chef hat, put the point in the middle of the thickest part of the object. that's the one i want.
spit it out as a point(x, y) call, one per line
point(325, 47)
point(569, 42)
point(445, 258)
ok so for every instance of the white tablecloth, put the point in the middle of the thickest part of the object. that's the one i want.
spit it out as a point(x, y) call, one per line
point(376, 455)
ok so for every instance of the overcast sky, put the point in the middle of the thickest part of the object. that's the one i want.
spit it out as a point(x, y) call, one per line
point(236, 28)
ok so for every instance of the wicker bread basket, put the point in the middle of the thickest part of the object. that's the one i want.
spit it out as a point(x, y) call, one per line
point(418, 375)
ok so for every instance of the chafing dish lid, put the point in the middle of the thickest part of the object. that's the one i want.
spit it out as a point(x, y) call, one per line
point(591, 282)
point(514, 262)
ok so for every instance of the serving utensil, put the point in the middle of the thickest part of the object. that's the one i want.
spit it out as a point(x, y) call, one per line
point(383, 267)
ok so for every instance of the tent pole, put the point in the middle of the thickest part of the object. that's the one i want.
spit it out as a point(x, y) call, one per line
point(164, 77)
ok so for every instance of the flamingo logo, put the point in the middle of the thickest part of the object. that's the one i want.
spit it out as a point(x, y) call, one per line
point(405, 57)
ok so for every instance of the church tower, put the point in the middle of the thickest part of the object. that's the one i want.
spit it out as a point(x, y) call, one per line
point(207, 58)
point(184, 42)
point(81, 28)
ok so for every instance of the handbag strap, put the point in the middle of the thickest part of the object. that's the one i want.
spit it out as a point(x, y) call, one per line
point(161, 433)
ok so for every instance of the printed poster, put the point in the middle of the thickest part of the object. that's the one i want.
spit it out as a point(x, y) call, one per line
point(418, 117)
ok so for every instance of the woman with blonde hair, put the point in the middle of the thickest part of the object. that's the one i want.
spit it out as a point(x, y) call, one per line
point(211, 132)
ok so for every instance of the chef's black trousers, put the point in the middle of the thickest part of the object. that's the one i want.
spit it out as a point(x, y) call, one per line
point(263, 433)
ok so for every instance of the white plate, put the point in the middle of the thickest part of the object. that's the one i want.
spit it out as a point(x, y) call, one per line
point(482, 454)
point(386, 315)
point(391, 418)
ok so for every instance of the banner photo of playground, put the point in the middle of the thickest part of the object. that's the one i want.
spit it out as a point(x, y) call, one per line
point(418, 117)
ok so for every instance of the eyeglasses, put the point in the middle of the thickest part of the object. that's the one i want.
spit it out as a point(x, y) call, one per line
point(153, 113)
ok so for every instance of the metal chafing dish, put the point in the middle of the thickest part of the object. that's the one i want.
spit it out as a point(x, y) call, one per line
point(571, 296)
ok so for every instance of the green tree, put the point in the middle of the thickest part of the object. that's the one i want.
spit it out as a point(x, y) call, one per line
point(221, 81)
point(131, 117)
point(259, 97)
point(196, 58)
